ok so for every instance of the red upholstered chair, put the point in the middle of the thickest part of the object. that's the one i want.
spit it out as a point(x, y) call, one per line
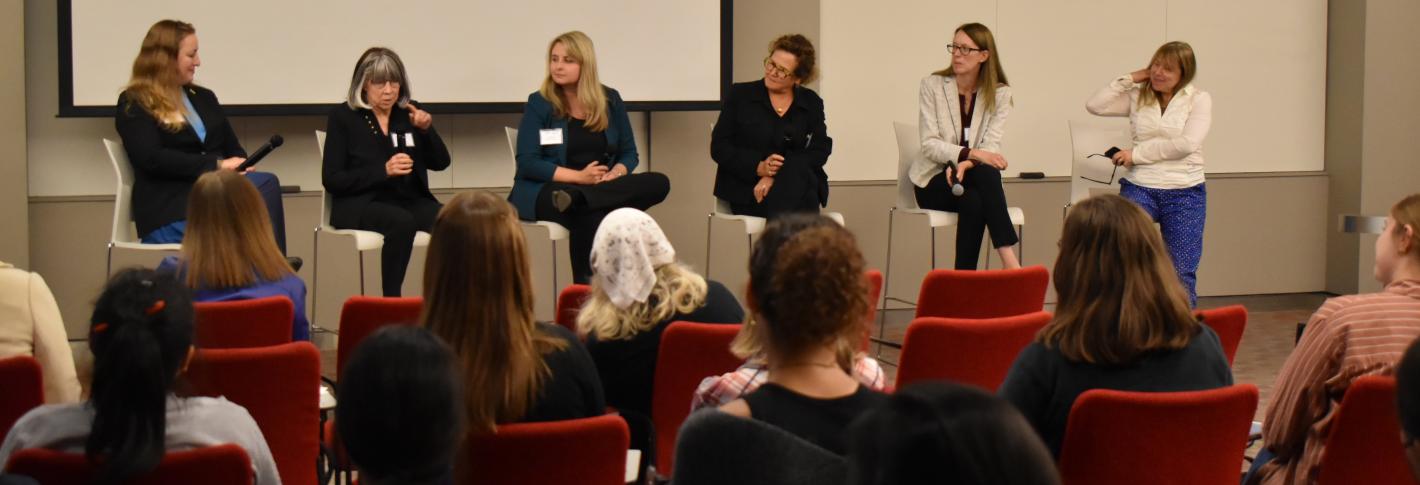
point(1228, 322)
point(213, 465)
point(23, 383)
point(279, 386)
point(359, 318)
point(1364, 444)
point(259, 322)
point(590, 451)
point(689, 353)
point(1117, 437)
point(982, 294)
point(875, 292)
point(569, 304)
point(969, 351)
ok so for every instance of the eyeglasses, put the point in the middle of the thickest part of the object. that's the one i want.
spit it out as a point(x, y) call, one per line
point(1111, 172)
point(961, 49)
point(771, 67)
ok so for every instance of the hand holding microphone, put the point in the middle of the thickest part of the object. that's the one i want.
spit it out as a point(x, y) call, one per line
point(260, 153)
point(955, 172)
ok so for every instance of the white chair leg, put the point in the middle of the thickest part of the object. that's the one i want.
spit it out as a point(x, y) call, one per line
point(709, 221)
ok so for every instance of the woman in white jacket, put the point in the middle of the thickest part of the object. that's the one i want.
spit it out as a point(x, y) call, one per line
point(961, 119)
point(1169, 118)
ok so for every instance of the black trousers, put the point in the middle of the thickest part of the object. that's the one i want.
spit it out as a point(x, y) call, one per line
point(980, 207)
point(592, 203)
point(397, 219)
point(795, 189)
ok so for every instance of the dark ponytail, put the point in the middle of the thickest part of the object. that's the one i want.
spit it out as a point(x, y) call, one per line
point(140, 334)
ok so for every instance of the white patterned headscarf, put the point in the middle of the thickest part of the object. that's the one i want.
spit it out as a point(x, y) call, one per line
point(628, 248)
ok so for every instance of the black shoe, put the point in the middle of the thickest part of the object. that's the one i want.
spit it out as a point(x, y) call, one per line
point(561, 200)
point(295, 263)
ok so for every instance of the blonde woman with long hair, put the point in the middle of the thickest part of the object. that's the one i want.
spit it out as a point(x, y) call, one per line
point(228, 253)
point(174, 131)
point(576, 152)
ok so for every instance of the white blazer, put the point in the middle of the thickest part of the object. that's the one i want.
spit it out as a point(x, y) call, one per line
point(939, 126)
point(1168, 145)
point(30, 325)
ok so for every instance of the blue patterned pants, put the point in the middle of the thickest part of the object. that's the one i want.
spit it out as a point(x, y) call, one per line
point(1180, 214)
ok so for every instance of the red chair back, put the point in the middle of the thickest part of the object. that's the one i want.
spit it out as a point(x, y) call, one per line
point(213, 465)
point(23, 383)
point(569, 304)
point(982, 294)
point(589, 451)
point(689, 353)
point(1364, 443)
point(1118, 437)
point(259, 322)
point(875, 291)
point(1228, 322)
point(976, 352)
point(279, 387)
point(362, 315)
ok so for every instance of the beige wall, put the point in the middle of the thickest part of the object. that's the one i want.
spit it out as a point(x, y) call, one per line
point(14, 173)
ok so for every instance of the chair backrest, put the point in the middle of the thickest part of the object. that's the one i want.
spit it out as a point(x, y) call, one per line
point(1228, 322)
point(569, 304)
point(325, 200)
point(23, 383)
point(122, 195)
point(1364, 444)
point(875, 292)
point(1090, 137)
point(909, 148)
point(588, 451)
point(362, 315)
point(1118, 437)
point(225, 464)
point(279, 386)
point(258, 322)
point(717, 448)
point(512, 134)
point(969, 351)
point(982, 294)
point(689, 353)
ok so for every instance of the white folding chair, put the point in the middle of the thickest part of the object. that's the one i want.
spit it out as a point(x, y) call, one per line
point(123, 234)
point(1090, 175)
point(555, 231)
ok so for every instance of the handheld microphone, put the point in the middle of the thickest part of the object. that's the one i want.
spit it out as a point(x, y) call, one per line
point(957, 189)
point(261, 153)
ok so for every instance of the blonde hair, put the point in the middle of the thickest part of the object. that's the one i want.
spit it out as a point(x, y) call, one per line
point(478, 298)
point(590, 92)
point(1407, 213)
point(155, 85)
point(377, 65)
point(677, 290)
point(991, 75)
point(1176, 53)
point(229, 241)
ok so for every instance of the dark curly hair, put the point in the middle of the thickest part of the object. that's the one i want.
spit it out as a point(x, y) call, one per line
point(803, 51)
point(807, 281)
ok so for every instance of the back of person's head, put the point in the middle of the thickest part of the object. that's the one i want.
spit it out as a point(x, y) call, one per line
point(400, 417)
point(1407, 393)
point(1397, 250)
point(939, 432)
point(636, 281)
point(1119, 297)
point(807, 282)
point(228, 242)
point(141, 337)
point(478, 297)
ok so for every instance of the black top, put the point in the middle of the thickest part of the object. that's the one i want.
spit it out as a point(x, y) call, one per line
point(748, 131)
point(353, 168)
point(1043, 385)
point(628, 367)
point(584, 146)
point(166, 164)
point(818, 421)
point(572, 390)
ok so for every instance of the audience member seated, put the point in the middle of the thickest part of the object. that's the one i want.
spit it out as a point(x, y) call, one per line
point(478, 297)
point(1407, 389)
point(400, 417)
point(228, 252)
point(1122, 321)
point(1348, 337)
point(807, 296)
point(30, 325)
point(141, 337)
point(939, 432)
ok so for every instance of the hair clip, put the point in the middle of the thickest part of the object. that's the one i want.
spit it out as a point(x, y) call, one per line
point(146, 283)
point(99, 327)
point(156, 307)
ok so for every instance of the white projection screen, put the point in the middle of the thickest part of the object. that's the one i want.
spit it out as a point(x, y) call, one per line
point(285, 57)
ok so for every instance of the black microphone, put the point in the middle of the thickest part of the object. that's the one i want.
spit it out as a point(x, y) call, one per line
point(261, 153)
point(957, 189)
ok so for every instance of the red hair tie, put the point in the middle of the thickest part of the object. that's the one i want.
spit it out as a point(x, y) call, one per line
point(100, 327)
point(156, 307)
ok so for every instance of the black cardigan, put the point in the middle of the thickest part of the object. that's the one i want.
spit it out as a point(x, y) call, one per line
point(748, 131)
point(353, 168)
point(166, 164)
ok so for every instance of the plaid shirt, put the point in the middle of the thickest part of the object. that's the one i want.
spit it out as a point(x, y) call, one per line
point(718, 390)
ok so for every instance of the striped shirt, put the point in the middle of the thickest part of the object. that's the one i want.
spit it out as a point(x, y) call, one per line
point(1347, 338)
point(719, 390)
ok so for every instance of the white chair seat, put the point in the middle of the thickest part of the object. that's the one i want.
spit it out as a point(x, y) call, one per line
point(1018, 216)
point(555, 231)
point(146, 247)
point(364, 240)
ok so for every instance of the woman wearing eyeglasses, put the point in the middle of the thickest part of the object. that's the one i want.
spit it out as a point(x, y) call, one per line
point(770, 141)
point(961, 119)
point(1169, 118)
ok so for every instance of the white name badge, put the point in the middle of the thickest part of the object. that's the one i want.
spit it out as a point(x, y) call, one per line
point(966, 132)
point(408, 140)
point(550, 136)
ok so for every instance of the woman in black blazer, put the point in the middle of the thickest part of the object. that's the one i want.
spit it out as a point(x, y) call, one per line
point(378, 148)
point(174, 131)
point(770, 141)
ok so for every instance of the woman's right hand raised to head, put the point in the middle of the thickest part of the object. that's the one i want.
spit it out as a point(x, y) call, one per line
point(399, 164)
point(1139, 76)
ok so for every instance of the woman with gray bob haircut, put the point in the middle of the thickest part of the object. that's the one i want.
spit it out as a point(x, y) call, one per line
point(379, 147)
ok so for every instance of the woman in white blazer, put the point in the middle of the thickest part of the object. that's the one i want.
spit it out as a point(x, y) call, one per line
point(961, 119)
point(1169, 118)
point(30, 325)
